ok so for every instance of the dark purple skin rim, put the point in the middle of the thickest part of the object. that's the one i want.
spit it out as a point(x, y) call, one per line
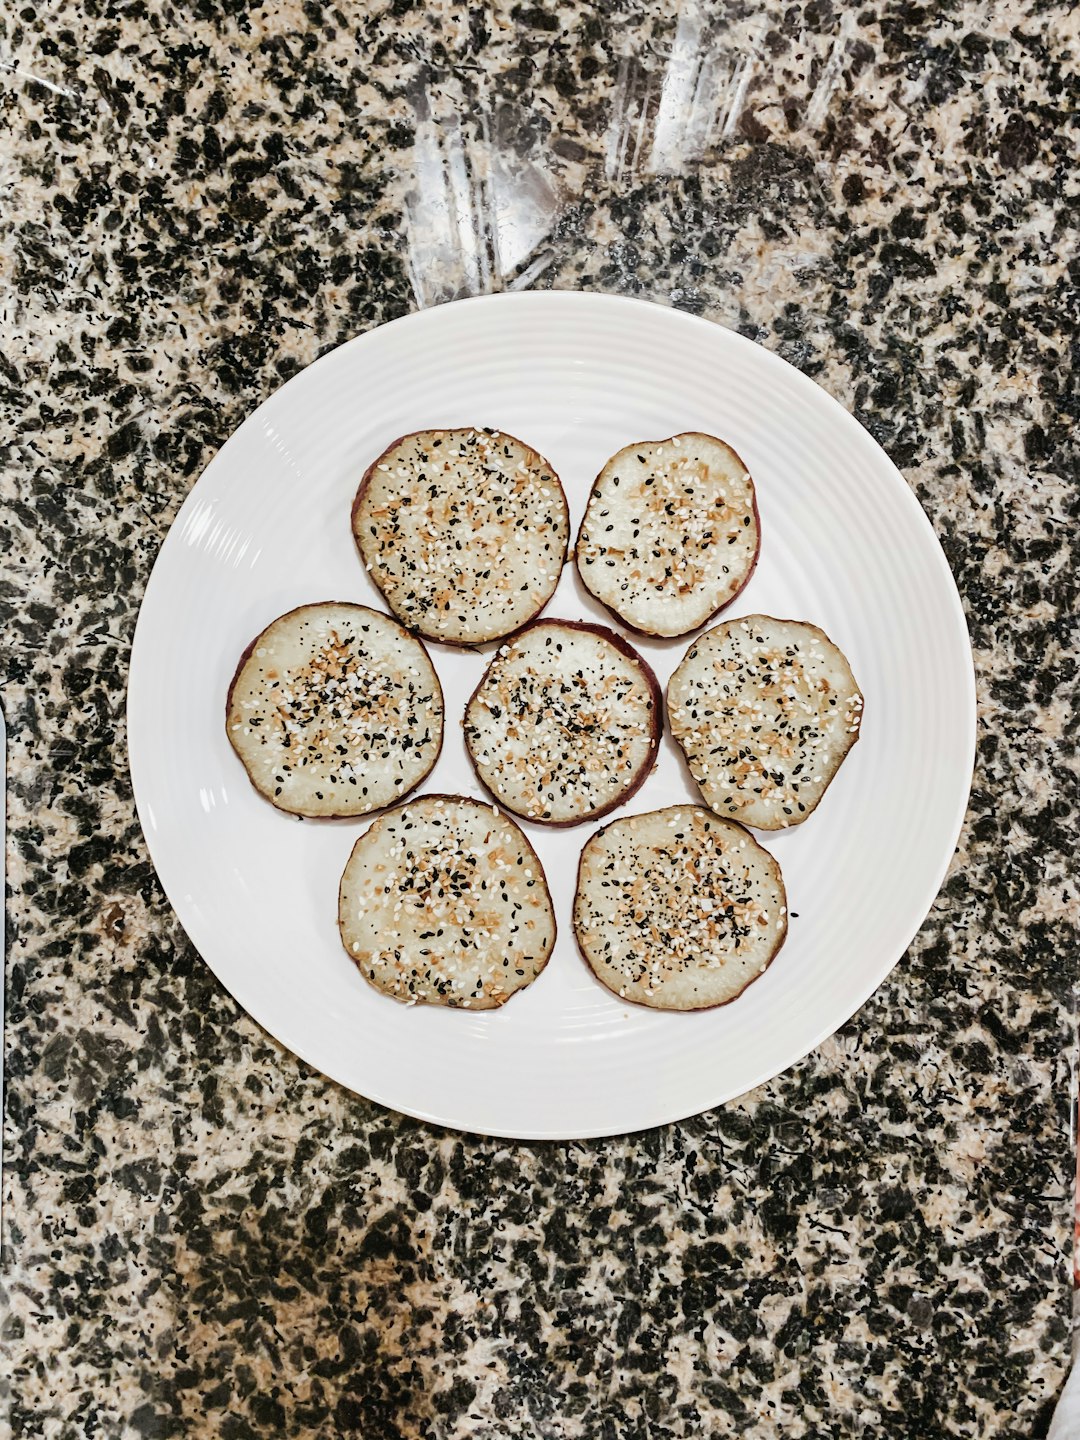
point(483, 805)
point(653, 634)
point(852, 739)
point(413, 630)
point(246, 656)
point(693, 1009)
point(624, 648)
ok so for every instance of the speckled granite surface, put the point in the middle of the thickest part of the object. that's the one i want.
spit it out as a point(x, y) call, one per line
point(204, 1238)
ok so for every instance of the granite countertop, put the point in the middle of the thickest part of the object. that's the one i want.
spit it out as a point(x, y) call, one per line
point(203, 1237)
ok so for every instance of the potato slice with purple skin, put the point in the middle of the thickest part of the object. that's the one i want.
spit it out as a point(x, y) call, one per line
point(670, 534)
point(678, 909)
point(335, 710)
point(464, 531)
point(765, 711)
point(444, 902)
point(566, 722)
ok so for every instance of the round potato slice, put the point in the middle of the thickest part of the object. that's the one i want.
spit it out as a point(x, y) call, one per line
point(464, 532)
point(670, 534)
point(335, 710)
point(765, 711)
point(678, 909)
point(444, 902)
point(566, 722)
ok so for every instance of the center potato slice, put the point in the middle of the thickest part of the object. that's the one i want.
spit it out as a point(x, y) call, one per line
point(678, 909)
point(444, 902)
point(464, 532)
point(566, 722)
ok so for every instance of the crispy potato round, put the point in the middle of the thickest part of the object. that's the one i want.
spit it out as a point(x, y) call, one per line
point(464, 532)
point(671, 533)
point(678, 909)
point(444, 902)
point(566, 722)
point(765, 711)
point(335, 710)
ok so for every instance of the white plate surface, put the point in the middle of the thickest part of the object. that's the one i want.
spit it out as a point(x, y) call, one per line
point(844, 544)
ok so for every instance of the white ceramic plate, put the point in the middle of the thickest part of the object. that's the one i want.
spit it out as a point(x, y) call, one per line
point(844, 544)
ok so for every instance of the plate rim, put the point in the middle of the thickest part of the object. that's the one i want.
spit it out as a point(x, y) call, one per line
point(138, 763)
